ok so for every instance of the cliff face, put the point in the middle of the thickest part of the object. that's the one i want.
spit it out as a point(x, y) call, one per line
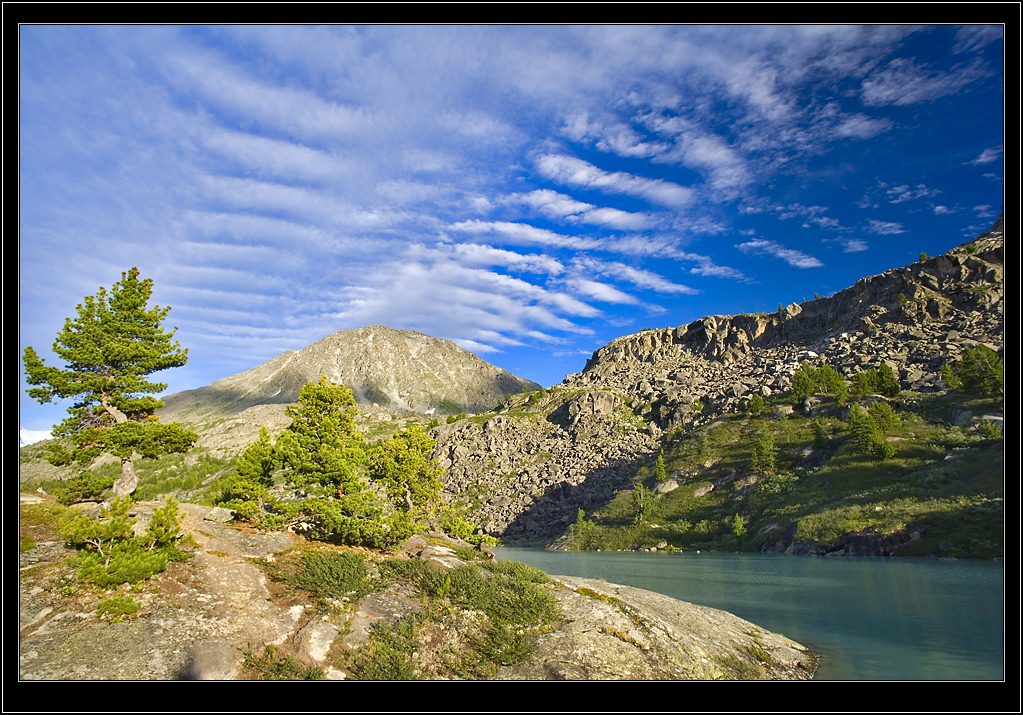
point(529, 468)
point(392, 369)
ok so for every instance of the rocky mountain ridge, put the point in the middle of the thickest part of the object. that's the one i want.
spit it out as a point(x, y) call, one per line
point(527, 469)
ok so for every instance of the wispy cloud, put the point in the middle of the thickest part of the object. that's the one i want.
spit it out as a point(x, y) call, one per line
point(860, 126)
point(904, 192)
point(885, 228)
point(298, 112)
point(507, 187)
point(942, 210)
point(974, 37)
point(794, 258)
point(902, 82)
point(600, 291)
point(273, 158)
point(523, 233)
point(572, 171)
point(988, 155)
point(556, 205)
point(636, 276)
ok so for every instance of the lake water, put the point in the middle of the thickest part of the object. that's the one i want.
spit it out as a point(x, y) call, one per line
point(868, 619)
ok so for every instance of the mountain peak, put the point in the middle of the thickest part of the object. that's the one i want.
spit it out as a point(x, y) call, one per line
point(383, 366)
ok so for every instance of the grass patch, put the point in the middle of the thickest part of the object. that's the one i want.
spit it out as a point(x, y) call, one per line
point(944, 485)
point(117, 608)
point(338, 575)
point(388, 655)
point(271, 664)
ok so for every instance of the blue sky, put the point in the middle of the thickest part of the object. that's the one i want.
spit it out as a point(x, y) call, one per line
point(529, 192)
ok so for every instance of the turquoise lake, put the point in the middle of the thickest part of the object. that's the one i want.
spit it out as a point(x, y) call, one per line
point(868, 619)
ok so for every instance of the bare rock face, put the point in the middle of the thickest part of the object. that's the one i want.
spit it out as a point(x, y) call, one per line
point(614, 632)
point(394, 369)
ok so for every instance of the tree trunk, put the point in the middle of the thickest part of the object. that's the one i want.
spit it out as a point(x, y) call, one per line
point(128, 480)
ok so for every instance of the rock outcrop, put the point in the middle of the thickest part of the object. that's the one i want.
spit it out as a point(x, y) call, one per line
point(385, 368)
point(614, 632)
point(201, 617)
point(527, 474)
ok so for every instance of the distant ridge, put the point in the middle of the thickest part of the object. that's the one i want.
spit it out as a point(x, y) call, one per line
point(393, 369)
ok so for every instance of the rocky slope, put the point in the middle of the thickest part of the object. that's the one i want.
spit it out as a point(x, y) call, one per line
point(201, 618)
point(528, 468)
point(385, 368)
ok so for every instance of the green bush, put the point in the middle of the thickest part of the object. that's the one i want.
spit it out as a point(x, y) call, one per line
point(428, 576)
point(642, 504)
point(334, 575)
point(505, 645)
point(868, 435)
point(979, 371)
point(989, 430)
point(274, 665)
point(763, 453)
point(518, 571)
point(882, 381)
point(738, 525)
point(808, 381)
point(755, 406)
point(87, 486)
point(388, 655)
point(504, 599)
point(884, 416)
point(949, 378)
point(582, 535)
point(123, 562)
point(110, 553)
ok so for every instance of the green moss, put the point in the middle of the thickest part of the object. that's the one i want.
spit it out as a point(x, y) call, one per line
point(117, 608)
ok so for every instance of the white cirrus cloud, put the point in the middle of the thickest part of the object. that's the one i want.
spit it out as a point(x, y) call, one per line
point(902, 82)
point(600, 291)
point(557, 205)
point(942, 210)
point(974, 37)
point(885, 228)
point(483, 255)
point(794, 258)
point(572, 171)
point(523, 233)
point(276, 158)
point(860, 126)
point(638, 277)
point(904, 192)
point(988, 155)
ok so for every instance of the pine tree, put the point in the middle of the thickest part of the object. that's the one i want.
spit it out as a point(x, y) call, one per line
point(660, 471)
point(111, 345)
point(412, 479)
